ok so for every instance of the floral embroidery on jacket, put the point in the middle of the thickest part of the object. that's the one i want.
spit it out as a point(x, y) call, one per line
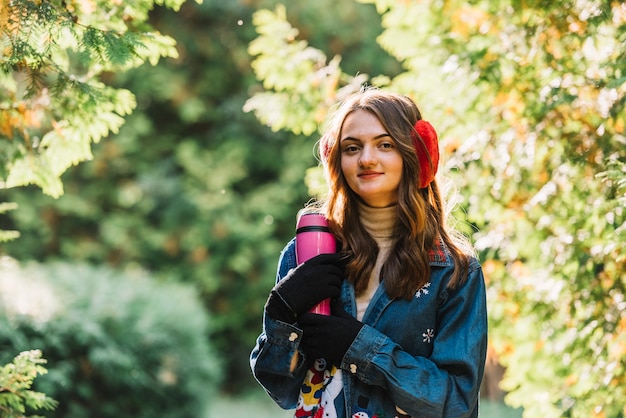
point(423, 290)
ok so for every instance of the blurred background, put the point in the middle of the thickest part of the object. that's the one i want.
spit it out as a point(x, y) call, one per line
point(141, 273)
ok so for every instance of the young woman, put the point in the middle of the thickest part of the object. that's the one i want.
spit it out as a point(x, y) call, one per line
point(408, 332)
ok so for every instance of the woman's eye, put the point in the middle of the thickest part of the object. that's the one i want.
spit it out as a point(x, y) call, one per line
point(387, 145)
point(351, 148)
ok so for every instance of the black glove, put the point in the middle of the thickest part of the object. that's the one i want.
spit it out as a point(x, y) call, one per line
point(312, 281)
point(328, 337)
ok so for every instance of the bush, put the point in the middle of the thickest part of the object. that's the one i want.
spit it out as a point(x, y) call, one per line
point(118, 345)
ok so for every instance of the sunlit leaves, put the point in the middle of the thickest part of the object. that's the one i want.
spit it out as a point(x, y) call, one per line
point(7, 235)
point(16, 379)
point(58, 132)
point(52, 105)
point(553, 130)
point(302, 84)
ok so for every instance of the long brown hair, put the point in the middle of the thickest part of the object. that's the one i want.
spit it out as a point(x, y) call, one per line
point(421, 219)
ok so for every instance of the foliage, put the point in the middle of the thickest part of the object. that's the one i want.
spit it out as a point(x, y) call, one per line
point(7, 235)
point(287, 106)
point(118, 344)
point(16, 379)
point(192, 187)
point(529, 99)
point(53, 104)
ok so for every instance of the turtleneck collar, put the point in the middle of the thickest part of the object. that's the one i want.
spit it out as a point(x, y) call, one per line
point(379, 222)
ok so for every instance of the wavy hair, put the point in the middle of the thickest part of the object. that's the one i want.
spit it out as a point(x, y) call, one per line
point(421, 216)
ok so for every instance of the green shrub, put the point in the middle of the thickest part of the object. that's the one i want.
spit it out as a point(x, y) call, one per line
point(117, 345)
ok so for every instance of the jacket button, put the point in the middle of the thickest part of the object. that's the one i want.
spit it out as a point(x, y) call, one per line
point(353, 368)
point(293, 336)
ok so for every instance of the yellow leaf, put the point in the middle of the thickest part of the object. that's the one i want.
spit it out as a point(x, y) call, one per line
point(467, 20)
point(598, 412)
point(571, 379)
point(619, 125)
point(490, 266)
point(519, 269)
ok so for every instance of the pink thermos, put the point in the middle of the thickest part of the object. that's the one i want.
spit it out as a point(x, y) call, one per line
point(313, 237)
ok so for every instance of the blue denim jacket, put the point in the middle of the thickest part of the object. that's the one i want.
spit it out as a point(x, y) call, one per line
point(425, 356)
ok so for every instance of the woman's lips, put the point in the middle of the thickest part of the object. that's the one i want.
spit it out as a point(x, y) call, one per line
point(369, 174)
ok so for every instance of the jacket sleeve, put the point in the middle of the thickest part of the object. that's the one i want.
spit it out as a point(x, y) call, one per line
point(270, 359)
point(445, 384)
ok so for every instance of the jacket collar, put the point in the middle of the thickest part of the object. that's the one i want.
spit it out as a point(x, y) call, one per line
point(439, 255)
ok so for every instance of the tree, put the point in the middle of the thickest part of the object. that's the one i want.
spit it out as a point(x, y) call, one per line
point(53, 103)
point(529, 99)
point(53, 106)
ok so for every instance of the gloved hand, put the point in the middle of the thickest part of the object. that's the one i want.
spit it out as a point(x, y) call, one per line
point(328, 337)
point(312, 281)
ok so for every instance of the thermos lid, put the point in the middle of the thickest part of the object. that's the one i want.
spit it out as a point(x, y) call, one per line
point(310, 222)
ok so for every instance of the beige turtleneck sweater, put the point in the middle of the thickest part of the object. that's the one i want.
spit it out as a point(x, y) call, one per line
point(379, 222)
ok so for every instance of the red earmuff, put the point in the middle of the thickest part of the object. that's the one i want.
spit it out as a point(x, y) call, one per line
point(427, 148)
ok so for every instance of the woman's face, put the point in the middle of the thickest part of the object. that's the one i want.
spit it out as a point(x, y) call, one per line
point(370, 160)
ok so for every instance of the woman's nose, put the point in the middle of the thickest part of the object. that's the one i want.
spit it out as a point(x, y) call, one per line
point(368, 157)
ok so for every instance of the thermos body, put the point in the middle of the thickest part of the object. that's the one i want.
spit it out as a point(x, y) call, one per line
point(313, 237)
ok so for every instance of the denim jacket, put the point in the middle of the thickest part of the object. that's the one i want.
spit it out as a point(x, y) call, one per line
point(424, 357)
